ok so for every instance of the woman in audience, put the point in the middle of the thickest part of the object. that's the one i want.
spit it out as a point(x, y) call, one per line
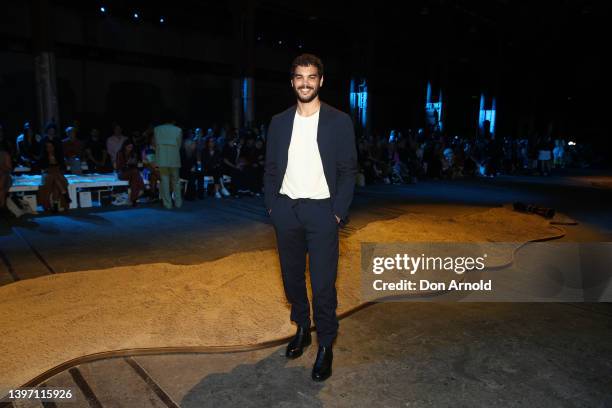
point(127, 169)
point(212, 164)
point(97, 157)
point(53, 193)
point(52, 136)
point(190, 170)
point(149, 166)
point(29, 147)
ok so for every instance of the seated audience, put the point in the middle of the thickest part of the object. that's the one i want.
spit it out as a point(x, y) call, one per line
point(114, 143)
point(189, 169)
point(29, 148)
point(212, 164)
point(150, 169)
point(53, 193)
point(127, 169)
point(51, 135)
point(234, 165)
point(73, 149)
point(96, 155)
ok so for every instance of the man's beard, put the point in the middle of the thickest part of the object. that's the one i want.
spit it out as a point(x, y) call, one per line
point(309, 98)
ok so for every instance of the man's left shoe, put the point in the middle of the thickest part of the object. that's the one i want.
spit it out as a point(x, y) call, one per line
point(322, 368)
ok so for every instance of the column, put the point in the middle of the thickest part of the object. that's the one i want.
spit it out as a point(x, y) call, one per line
point(44, 63)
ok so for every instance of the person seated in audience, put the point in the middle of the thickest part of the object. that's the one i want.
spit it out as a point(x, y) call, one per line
point(29, 148)
point(53, 192)
point(140, 139)
point(200, 141)
point(212, 164)
point(236, 165)
point(114, 143)
point(189, 169)
point(72, 145)
point(149, 166)
point(6, 167)
point(50, 135)
point(73, 149)
point(127, 169)
point(96, 155)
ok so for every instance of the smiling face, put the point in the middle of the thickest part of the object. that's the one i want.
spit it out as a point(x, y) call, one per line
point(306, 83)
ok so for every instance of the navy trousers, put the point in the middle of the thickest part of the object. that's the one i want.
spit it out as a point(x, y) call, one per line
point(308, 226)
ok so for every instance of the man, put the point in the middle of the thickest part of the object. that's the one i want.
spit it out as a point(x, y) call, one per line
point(168, 138)
point(73, 149)
point(310, 170)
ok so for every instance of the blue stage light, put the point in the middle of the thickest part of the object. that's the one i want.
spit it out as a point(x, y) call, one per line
point(359, 100)
point(487, 114)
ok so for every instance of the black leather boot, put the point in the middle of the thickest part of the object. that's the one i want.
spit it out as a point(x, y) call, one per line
point(296, 346)
point(322, 368)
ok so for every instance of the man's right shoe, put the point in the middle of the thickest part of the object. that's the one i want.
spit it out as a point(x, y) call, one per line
point(296, 346)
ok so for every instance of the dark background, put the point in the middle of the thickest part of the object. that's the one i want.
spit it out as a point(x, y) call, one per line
point(543, 61)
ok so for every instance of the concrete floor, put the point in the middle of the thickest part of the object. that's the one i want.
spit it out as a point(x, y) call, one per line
point(391, 354)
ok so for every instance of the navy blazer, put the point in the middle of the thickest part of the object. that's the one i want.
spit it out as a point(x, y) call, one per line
point(336, 142)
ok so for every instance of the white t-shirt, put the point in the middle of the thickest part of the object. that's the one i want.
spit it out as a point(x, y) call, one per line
point(304, 177)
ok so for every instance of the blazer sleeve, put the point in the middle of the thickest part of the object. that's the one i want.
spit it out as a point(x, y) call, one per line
point(270, 166)
point(346, 167)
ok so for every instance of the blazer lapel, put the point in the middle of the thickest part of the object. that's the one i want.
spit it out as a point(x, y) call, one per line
point(324, 140)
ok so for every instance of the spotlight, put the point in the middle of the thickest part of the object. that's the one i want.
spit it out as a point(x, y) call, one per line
point(136, 16)
point(162, 20)
point(102, 9)
point(280, 42)
point(571, 143)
